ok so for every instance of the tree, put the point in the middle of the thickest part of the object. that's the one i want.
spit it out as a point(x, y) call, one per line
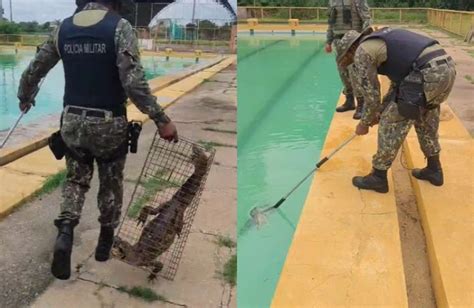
point(9, 28)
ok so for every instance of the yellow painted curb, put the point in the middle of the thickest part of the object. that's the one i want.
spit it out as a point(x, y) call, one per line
point(21, 179)
point(346, 250)
point(447, 213)
point(156, 84)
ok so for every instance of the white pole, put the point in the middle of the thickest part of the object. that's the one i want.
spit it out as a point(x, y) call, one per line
point(11, 11)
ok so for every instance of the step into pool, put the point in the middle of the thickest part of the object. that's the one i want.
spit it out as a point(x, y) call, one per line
point(287, 91)
point(49, 100)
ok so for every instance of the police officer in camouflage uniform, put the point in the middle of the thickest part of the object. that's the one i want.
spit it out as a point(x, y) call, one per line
point(422, 75)
point(101, 59)
point(345, 15)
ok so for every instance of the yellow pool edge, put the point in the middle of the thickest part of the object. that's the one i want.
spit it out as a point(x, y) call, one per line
point(22, 178)
point(346, 250)
point(447, 213)
point(449, 231)
point(156, 84)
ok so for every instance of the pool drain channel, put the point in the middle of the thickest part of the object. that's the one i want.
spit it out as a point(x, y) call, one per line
point(413, 242)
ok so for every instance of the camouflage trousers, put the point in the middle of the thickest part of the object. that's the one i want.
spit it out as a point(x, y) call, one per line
point(394, 128)
point(89, 139)
point(346, 73)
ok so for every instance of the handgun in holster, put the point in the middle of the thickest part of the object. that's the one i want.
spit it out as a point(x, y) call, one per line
point(57, 145)
point(134, 130)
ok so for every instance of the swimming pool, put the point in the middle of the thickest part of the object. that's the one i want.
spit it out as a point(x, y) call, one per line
point(287, 91)
point(49, 100)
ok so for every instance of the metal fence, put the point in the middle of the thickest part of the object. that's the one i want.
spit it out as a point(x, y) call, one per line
point(23, 39)
point(217, 39)
point(457, 22)
point(157, 222)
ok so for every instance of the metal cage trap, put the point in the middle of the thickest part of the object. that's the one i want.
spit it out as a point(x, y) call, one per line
point(158, 219)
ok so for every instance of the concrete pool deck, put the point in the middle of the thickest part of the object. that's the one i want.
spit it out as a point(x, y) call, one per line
point(346, 249)
point(22, 178)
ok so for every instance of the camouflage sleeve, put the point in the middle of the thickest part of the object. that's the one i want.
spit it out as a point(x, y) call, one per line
point(47, 56)
point(368, 85)
point(364, 12)
point(132, 74)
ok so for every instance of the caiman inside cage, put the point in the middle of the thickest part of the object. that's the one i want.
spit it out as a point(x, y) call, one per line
point(157, 222)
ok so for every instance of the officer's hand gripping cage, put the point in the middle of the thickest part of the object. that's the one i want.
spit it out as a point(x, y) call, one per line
point(158, 219)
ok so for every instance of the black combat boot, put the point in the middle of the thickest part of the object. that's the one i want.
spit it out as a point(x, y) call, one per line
point(349, 104)
point(359, 109)
point(106, 240)
point(376, 180)
point(432, 173)
point(61, 266)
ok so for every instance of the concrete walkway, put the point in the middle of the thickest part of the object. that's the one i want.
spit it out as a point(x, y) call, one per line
point(27, 235)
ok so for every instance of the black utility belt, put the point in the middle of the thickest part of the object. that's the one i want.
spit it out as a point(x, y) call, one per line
point(438, 63)
point(59, 147)
point(423, 62)
point(116, 112)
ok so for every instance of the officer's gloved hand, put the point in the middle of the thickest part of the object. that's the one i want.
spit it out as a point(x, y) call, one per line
point(168, 131)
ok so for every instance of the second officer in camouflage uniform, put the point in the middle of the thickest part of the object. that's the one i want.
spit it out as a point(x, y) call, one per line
point(421, 72)
point(346, 15)
point(100, 54)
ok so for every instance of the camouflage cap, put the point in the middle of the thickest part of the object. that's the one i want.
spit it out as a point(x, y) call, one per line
point(349, 39)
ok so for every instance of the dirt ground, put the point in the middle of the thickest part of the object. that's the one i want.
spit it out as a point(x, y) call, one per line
point(27, 235)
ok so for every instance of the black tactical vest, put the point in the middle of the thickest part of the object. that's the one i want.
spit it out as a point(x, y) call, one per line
point(90, 65)
point(403, 49)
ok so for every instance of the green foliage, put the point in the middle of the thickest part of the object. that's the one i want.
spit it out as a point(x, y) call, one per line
point(145, 294)
point(230, 271)
point(225, 241)
point(7, 27)
point(52, 182)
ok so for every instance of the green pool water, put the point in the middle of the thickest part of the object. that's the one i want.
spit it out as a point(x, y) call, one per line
point(49, 100)
point(287, 92)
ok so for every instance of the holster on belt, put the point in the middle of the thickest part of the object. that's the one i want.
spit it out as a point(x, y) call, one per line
point(411, 99)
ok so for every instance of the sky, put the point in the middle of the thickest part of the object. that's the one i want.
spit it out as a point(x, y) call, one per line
point(39, 10)
point(45, 10)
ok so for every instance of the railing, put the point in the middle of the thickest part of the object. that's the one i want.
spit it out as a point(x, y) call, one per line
point(216, 39)
point(23, 39)
point(457, 22)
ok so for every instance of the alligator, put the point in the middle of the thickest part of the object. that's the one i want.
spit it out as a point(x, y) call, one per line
point(159, 234)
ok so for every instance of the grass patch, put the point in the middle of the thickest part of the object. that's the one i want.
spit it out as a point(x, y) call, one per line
point(230, 271)
point(151, 186)
point(211, 129)
point(469, 78)
point(143, 293)
point(209, 145)
point(225, 241)
point(52, 182)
